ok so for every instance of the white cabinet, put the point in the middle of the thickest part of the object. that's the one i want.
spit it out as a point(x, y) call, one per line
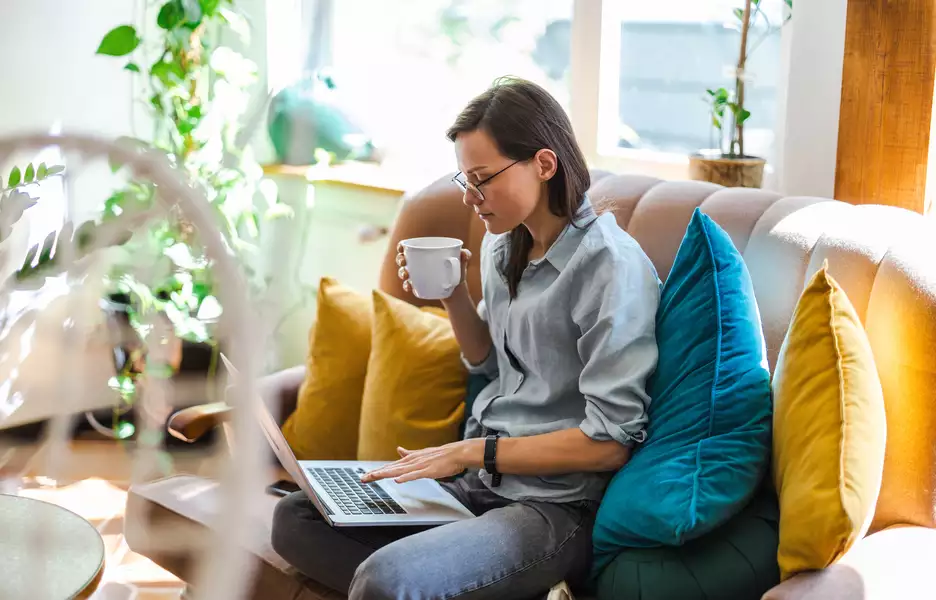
point(325, 237)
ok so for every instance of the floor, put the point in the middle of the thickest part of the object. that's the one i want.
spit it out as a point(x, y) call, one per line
point(92, 479)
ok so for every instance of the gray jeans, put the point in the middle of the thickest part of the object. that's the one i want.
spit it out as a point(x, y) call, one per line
point(510, 550)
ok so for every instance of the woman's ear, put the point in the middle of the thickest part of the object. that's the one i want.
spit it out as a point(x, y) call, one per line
point(546, 163)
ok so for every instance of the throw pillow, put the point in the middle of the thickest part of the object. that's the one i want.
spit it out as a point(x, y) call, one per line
point(736, 561)
point(708, 442)
point(414, 391)
point(829, 430)
point(324, 425)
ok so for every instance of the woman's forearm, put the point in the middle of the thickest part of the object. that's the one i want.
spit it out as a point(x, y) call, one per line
point(471, 331)
point(565, 451)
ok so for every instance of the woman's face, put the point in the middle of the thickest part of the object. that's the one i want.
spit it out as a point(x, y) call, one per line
point(515, 193)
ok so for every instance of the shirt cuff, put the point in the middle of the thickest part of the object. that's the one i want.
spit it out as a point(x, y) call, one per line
point(487, 367)
point(605, 432)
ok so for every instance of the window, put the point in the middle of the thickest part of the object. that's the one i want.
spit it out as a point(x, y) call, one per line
point(632, 75)
point(403, 71)
point(670, 53)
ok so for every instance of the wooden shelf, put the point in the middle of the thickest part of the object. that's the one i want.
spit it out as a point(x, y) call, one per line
point(365, 175)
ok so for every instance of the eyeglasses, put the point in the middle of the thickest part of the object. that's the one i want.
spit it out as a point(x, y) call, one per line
point(474, 188)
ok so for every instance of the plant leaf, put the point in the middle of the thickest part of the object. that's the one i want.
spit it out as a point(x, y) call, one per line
point(743, 116)
point(119, 41)
point(45, 254)
point(171, 15)
point(15, 177)
point(30, 175)
point(55, 170)
point(41, 172)
point(237, 22)
point(185, 127)
point(739, 14)
point(132, 67)
point(193, 14)
point(168, 72)
point(209, 6)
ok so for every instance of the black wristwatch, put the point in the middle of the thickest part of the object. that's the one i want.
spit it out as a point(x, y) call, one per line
point(490, 459)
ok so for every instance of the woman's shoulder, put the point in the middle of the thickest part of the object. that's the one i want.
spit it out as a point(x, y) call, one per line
point(607, 245)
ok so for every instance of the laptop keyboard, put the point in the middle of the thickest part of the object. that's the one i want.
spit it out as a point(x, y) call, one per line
point(353, 497)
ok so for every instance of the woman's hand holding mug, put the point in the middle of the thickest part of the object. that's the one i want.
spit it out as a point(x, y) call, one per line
point(432, 268)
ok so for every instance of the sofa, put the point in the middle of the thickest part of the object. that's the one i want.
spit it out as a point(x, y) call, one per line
point(883, 257)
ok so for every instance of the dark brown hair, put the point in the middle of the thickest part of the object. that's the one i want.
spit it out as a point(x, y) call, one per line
point(522, 118)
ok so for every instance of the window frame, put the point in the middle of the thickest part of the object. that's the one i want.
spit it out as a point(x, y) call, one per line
point(594, 73)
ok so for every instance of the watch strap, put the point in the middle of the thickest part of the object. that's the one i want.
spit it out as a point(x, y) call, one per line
point(490, 459)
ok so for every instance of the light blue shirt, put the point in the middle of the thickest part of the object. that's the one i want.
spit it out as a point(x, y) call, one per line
point(573, 349)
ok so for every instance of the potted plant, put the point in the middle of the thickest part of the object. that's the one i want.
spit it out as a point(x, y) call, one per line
point(728, 164)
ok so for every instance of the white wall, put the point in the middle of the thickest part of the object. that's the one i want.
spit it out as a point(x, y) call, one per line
point(50, 71)
point(807, 127)
point(54, 81)
point(52, 78)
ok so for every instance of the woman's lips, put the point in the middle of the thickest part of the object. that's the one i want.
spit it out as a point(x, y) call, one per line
point(485, 216)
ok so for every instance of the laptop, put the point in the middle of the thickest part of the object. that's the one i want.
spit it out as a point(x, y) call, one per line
point(335, 488)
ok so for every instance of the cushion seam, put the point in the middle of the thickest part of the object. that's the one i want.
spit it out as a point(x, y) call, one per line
point(840, 373)
point(693, 517)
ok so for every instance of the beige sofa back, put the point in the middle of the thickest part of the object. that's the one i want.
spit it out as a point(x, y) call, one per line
point(884, 258)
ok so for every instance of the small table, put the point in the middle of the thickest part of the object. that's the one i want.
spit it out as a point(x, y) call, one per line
point(47, 552)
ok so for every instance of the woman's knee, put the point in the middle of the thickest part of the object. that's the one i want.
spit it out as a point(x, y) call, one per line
point(382, 576)
point(292, 518)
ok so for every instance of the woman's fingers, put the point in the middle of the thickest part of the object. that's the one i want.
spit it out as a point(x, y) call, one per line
point(422, 473)
point(401, 260)
point(403, 274)
point(465, 258)
point(391, 470)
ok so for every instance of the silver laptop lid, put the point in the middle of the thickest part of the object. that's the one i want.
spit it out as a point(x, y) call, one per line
point(274, 436)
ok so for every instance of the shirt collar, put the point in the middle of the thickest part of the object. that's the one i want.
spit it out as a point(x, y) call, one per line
point(562, 250)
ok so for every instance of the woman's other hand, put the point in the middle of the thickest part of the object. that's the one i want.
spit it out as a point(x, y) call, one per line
point(431, 463)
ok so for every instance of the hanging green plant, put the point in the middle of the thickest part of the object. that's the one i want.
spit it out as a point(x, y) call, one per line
point(196, 90)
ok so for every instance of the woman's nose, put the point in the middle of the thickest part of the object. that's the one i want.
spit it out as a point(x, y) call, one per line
point(470, 199)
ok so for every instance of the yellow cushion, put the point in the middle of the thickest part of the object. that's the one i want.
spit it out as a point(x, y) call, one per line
point(325, 422)
point(829, 430)
point(415, 387)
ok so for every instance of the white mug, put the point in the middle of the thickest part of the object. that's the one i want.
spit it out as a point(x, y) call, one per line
point(434, 266)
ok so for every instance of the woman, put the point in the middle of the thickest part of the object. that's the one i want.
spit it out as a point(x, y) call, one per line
point(565, 331)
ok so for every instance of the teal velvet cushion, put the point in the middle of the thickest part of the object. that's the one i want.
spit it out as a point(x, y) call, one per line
point(737, 561)
point(708, 443)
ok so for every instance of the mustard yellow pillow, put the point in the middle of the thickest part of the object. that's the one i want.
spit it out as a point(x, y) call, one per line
point(324, 425)
point(829, 430)
point(415, 387)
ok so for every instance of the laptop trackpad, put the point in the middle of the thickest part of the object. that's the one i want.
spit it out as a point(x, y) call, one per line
point(425, 495)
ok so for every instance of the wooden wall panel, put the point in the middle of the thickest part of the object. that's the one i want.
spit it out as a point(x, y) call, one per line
point(887, 101)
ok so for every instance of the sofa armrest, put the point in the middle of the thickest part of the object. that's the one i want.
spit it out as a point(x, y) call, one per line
point(190, 423)
point(279, 390)
point(893, 563)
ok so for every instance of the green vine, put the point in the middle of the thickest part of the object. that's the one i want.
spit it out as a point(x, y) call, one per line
point(196, 90)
